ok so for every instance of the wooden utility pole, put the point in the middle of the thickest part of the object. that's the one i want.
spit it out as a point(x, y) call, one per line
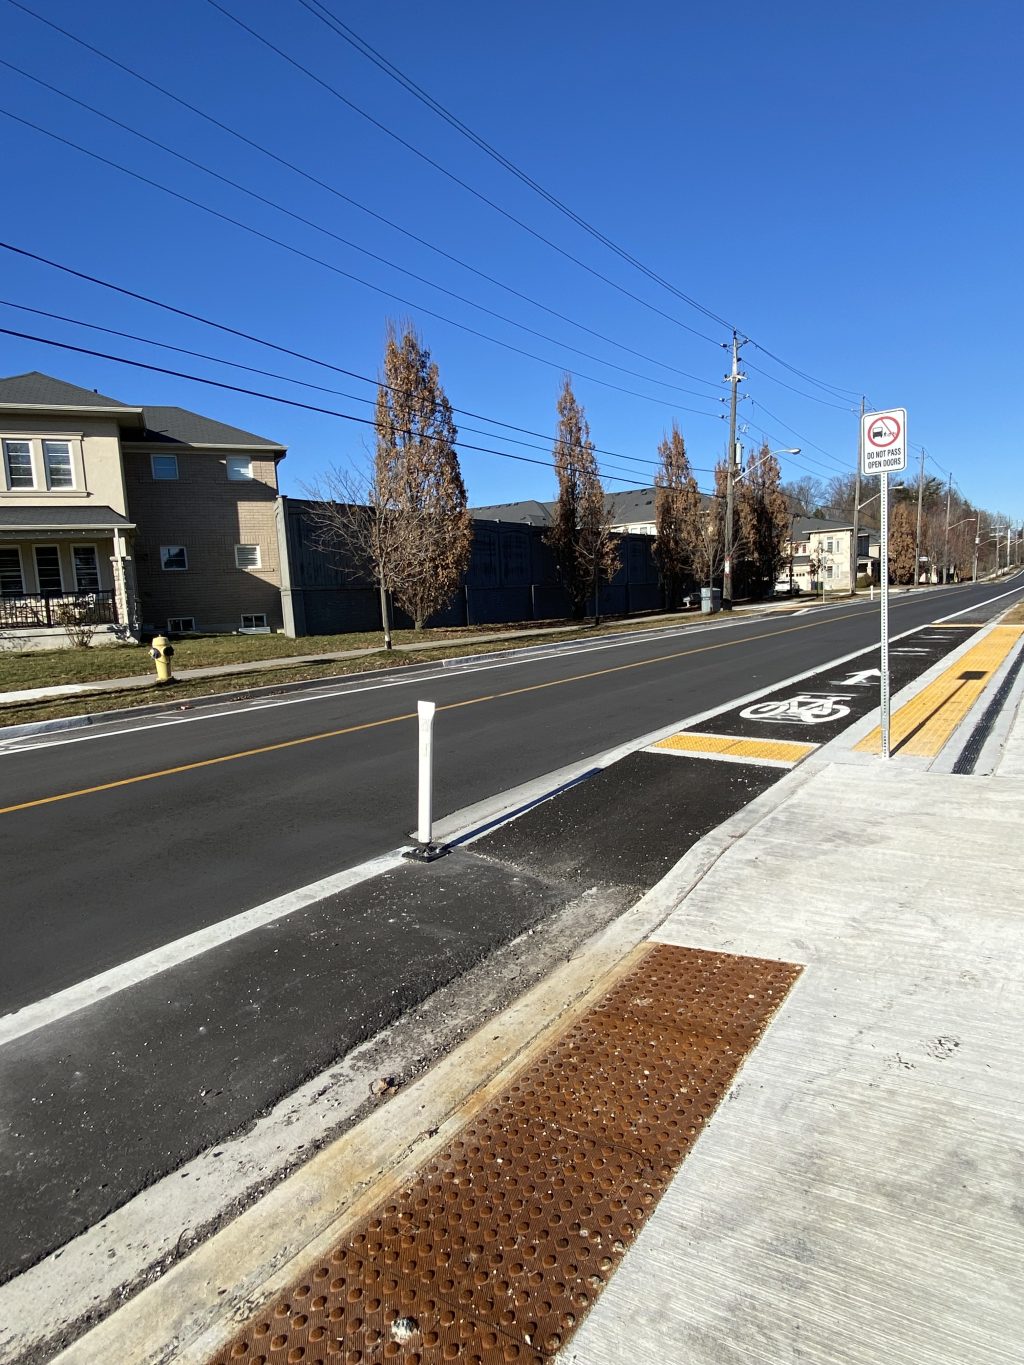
point(917, 538)
point(856, 501)
point(733, 378)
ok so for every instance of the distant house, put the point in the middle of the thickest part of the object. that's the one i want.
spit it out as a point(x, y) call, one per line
point(632, 512)
point(143, 518)
point(819, 555)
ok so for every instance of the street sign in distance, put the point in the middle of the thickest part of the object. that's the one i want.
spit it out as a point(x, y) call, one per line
point(883, 442)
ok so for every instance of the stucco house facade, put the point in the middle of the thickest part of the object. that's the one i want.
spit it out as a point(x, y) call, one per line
point(137, 518)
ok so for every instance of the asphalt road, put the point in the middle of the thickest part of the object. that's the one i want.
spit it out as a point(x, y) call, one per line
point(117, 843)
point(123, 840)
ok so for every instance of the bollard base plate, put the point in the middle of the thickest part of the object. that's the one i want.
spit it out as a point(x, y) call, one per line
point(427, 853)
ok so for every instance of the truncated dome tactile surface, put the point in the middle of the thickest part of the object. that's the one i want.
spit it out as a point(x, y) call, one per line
point(500, 1244)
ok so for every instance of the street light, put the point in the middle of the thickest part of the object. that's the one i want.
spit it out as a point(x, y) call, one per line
point(945, 555)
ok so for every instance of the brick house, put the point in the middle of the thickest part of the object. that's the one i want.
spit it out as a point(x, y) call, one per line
point(145, 518)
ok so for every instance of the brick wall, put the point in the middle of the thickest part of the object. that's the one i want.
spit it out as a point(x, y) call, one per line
point(209, 514)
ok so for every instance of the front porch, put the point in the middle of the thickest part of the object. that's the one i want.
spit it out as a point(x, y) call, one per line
point(63, 582)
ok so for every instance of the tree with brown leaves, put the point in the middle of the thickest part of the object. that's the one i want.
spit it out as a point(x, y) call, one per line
point(764, 520)
point(417, 468)
point(406, 522)
point(676, 504)
point(581, 535)
point(704, 531)
point(902, 541)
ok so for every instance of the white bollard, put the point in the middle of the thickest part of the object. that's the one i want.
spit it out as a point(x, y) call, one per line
point(424, 829)
point(872, 592)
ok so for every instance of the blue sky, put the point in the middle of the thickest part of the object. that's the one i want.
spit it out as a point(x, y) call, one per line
point(841, 183)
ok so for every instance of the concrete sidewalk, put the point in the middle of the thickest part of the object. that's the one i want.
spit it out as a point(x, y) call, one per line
point(856, 1198)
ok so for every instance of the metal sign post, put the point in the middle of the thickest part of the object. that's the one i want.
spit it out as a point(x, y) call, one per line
point(883, 445)
point(883, 551)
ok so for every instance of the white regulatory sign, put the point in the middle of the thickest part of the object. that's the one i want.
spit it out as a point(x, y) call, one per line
point(883, 442)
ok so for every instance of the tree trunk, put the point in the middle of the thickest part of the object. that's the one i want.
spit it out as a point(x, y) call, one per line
point(385, 615)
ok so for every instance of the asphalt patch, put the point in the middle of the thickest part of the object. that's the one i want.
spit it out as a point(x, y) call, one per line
point(102, 1104)
point(631, 823)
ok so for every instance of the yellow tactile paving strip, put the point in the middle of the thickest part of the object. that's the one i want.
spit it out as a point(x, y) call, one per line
point(923, 726)
point(736, 747)
point(501, 1243)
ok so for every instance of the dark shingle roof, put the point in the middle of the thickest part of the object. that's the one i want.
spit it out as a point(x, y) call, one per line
point(60, 518)
point(36, 390)
point(630, 506)
point(803, 526)
point(179, 426)
point(529, 512)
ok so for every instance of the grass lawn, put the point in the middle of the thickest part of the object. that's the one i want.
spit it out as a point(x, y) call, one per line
point(52, 667)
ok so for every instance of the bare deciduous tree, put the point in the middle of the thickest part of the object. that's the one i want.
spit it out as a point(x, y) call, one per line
point(676, 503)
point(405, 523)
point(586, 550)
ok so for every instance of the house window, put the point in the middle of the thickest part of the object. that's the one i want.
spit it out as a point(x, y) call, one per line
point(48, 569)
point(11, 582)
point(239, 467)
point(247, 556)
point(256, 620)
point(164, 466)
point(181, 625)
point(87, 569)
point(828, 570)
point(57, 458)
point(830, 546)
point(18, 458)
point(174, 558)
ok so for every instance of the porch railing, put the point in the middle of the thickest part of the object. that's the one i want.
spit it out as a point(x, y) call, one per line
point(35, 609)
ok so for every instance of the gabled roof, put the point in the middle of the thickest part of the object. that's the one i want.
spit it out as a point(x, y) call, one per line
point(153, 425)
point(179, 426)
point(35, 389)
point(804, 526)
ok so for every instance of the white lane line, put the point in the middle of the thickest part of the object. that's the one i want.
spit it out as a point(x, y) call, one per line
point(99, 987)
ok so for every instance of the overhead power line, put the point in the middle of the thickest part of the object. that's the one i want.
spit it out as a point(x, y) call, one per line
point(337, 270)
point(457, 180)
point(343, 197)
point(326, 16)
point(268, 397)
point(270, 345)
point(343, 241)
point(290, 379)
point(323, 13)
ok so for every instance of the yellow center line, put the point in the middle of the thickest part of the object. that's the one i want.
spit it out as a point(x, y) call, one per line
point(411, 715)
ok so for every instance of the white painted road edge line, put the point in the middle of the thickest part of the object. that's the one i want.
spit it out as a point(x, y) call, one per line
point(96, 988)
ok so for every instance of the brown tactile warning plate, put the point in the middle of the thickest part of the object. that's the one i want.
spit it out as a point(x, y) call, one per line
point(501, 1243)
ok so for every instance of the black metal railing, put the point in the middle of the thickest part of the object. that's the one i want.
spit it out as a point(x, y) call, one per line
point(31, 610)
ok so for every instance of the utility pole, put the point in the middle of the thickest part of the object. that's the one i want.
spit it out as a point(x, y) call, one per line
point(945, 547)
point(734, 378)
point(917, 538)
point(977, 546)
point(856, 501)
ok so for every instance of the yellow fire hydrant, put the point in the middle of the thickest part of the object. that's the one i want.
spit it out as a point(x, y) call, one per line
point(162, 651)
